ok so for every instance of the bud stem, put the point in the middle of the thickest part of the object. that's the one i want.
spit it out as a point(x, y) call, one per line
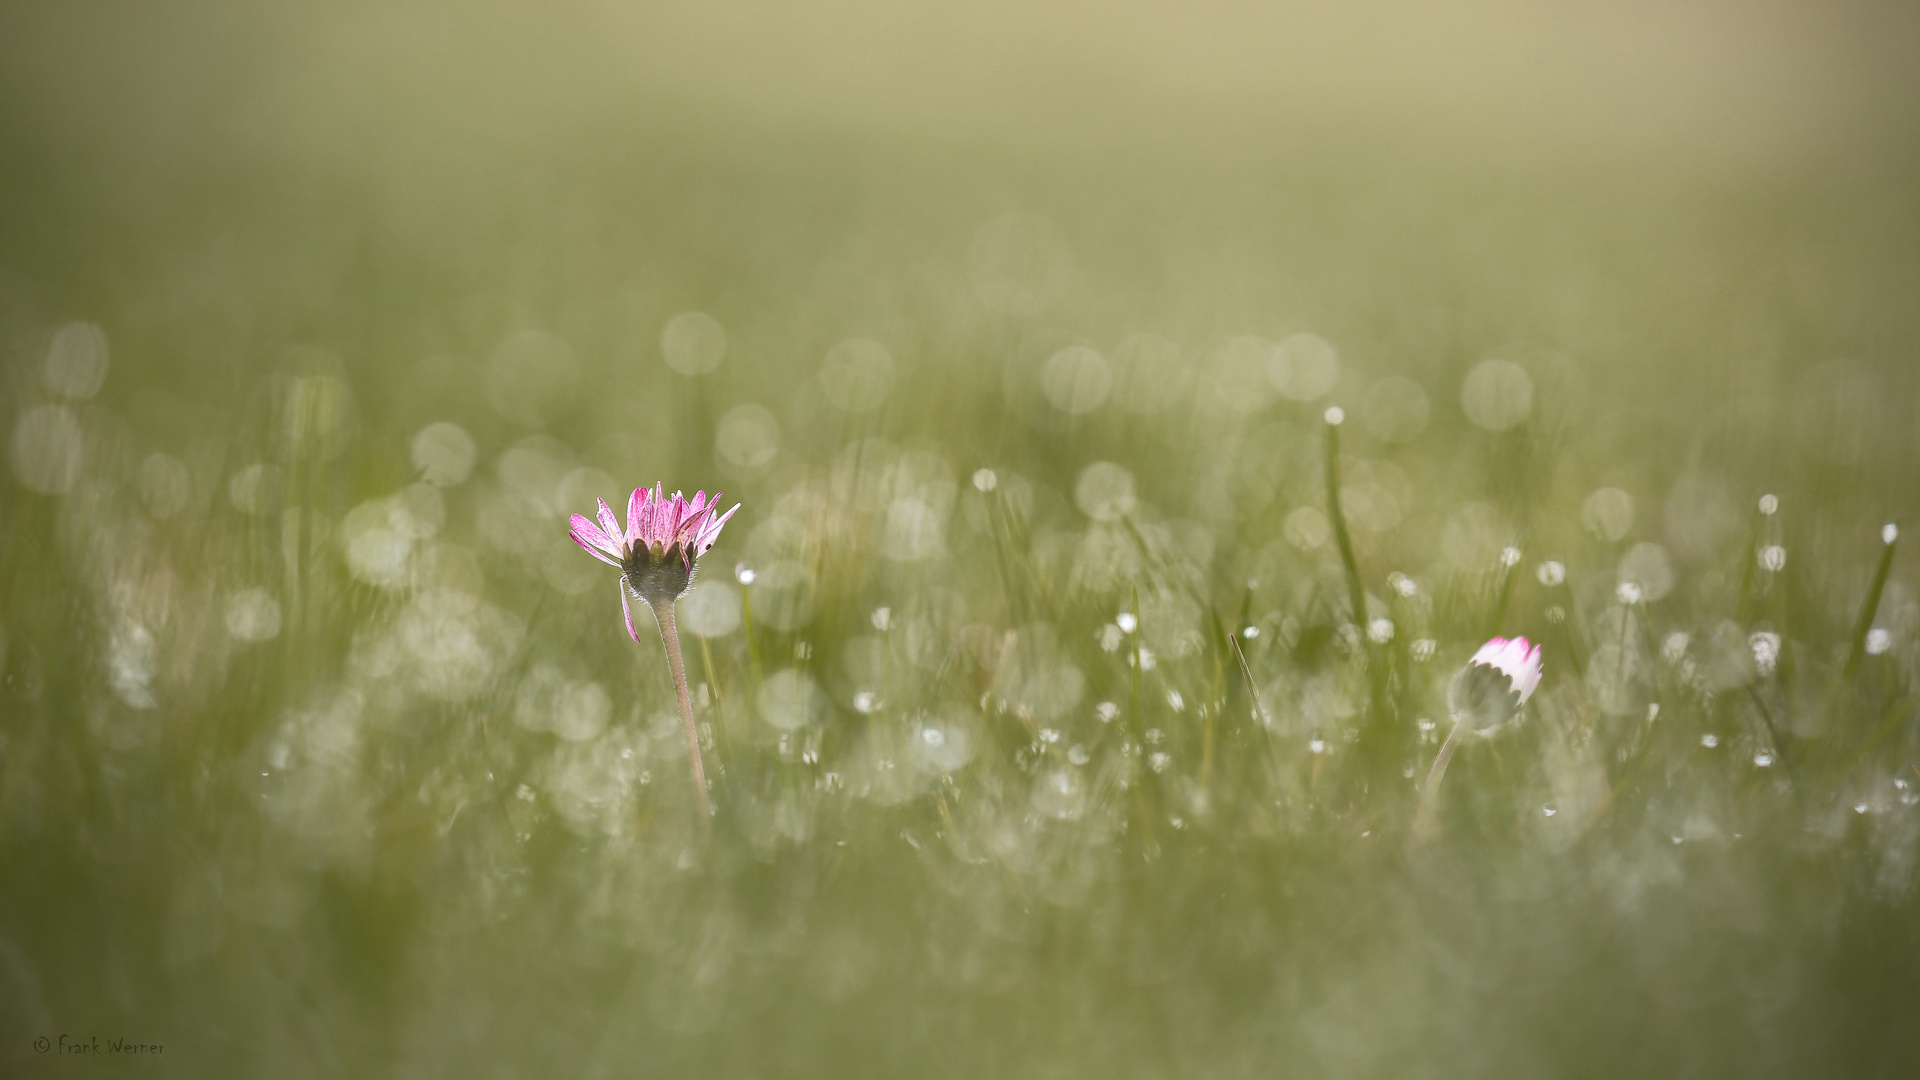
point(1430, 794)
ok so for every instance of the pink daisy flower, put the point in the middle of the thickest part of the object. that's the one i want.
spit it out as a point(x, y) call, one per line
point(655, 553)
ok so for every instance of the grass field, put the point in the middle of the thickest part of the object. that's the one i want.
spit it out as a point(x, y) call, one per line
point(1067, 680)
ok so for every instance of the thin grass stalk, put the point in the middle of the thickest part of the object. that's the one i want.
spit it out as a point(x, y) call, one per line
point(1890, 537)
point(1505, 594)
point(1356, 592)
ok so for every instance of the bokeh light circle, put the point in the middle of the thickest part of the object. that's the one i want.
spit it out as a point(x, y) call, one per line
point(857, 375)
point(1304, 367)
point(1497, 395)
point(444, 454)
point(693, 343)
point(77, 361)
point(1076, 380)
point(1395, 410)
point(1105, 491)
point(48, 449)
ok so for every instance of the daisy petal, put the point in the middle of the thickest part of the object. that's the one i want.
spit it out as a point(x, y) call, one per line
point(711, 531)
point(650, 516)
point(608, 523)
point(594, 551)
point(626, 609)
point(634, 504)
point(697, 514)
point(676, 514)
point(588, 535)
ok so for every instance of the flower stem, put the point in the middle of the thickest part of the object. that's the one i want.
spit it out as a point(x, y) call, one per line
point(663, 614)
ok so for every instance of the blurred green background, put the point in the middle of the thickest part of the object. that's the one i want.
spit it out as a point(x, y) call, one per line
point(1046, 738)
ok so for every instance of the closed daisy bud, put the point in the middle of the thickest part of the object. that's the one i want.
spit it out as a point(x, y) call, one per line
point(1495, 683)
point(1485, 694)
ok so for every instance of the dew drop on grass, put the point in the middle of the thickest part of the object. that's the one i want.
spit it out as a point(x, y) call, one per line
point(1127, 622)
point(1318, 746)
point(1551, 573)
point(1709, 741)
point(1860, 807)
point(1769, 505)
point(1773, 558)
point(1878, 641)
point(1763, 759)
point(1549, 810)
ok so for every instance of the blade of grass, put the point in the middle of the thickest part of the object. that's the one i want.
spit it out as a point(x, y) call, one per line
point(1890, 539)
point(1356, 592)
